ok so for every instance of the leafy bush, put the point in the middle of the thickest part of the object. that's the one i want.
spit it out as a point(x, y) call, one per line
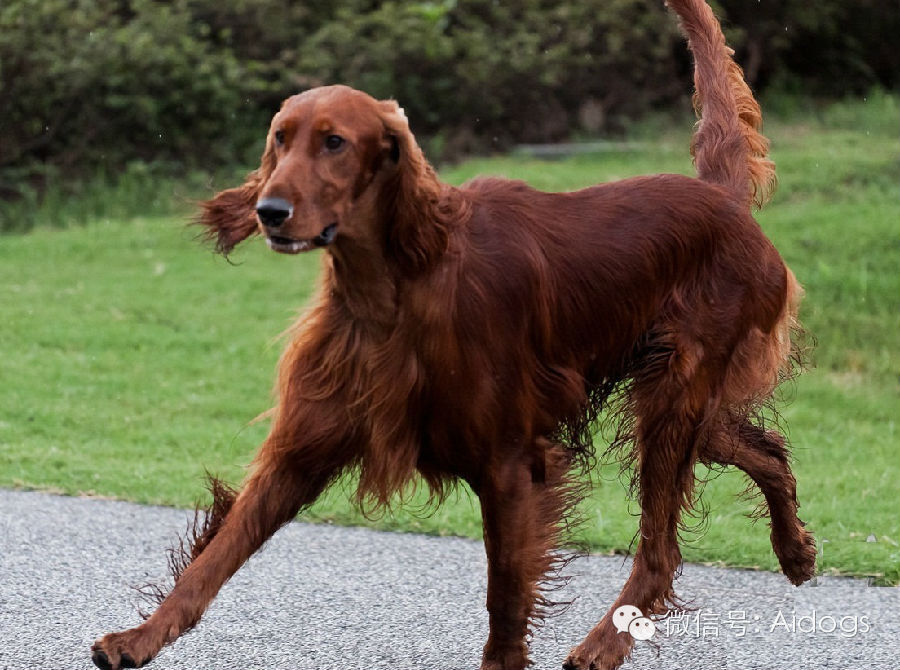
point(828, 47)
point(90, 86)
point(488, 73)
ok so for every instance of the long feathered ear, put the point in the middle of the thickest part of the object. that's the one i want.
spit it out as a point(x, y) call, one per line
point(230, 216)
point(420, 211)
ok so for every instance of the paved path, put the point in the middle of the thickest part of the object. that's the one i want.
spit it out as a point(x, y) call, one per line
point(328, 597)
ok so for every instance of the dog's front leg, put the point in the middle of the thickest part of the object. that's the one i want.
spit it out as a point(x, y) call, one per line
point(292, 468)
point(521, 505)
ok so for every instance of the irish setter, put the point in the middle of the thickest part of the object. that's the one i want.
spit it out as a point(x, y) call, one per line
point(474, 333)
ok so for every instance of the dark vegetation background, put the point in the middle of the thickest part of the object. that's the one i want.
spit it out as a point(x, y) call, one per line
point(142, 88)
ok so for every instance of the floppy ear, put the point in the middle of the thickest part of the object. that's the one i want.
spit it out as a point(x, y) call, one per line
point(418, 230)
point(230, 217)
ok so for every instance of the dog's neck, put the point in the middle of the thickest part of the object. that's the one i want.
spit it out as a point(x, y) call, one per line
point(362, 278)
point(360, 272)
point(401, 231)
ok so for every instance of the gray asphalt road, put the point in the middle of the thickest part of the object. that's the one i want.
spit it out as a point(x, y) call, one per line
point(326, 597)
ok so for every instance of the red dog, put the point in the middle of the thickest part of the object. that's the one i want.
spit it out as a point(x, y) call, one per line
point(474, 333)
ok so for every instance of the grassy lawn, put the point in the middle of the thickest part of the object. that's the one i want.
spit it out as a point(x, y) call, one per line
point(133, 359)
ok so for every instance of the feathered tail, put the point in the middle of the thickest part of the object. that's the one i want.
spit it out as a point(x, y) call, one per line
point(728, 147)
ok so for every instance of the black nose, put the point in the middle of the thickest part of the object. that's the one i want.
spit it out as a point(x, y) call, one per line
point(273, 211)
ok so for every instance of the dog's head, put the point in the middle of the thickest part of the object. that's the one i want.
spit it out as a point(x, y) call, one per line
point(337, 164)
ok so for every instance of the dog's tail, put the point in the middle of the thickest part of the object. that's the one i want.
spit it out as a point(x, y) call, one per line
point(728, 147)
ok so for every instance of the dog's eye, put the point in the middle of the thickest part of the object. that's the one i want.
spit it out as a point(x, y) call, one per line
point(279, 137)
point(334, 142)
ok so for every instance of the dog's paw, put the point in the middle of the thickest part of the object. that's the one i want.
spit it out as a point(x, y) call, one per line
point(576, 662)
point(798, 558)
point(513, 656)
point(129, 649)
point(602, 649)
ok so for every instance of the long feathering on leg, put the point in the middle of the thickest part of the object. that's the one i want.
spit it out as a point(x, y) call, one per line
point(199, 533)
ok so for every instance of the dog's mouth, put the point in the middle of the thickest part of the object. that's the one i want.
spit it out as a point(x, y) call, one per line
point(288, 245)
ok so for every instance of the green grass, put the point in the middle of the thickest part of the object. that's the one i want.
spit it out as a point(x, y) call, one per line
point(134, 359)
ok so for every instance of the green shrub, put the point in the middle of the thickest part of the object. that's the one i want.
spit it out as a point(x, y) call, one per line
point(829, 48)
point(88, 87)
point(490, 73)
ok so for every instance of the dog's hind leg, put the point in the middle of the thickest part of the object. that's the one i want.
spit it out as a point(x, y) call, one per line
point(670, 399)
point(763, 456)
